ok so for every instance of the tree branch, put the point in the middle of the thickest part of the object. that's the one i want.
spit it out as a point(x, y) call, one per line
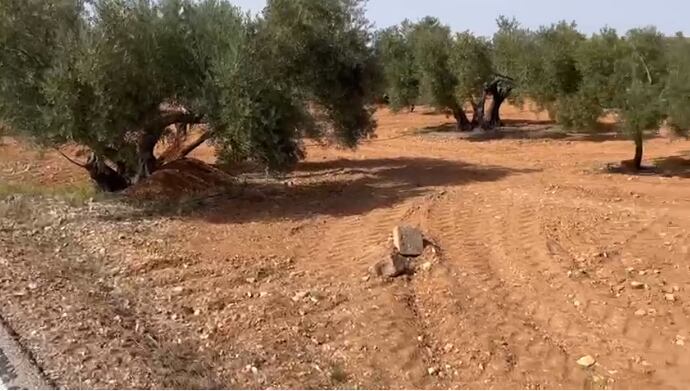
point(84, 166)
point(644, 64)
point(189, 148)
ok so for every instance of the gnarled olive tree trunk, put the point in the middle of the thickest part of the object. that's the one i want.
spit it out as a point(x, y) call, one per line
point(499, 89)
point(113, 175)
point(463, 122)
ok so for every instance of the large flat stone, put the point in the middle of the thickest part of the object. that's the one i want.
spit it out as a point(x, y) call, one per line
point(408, 240)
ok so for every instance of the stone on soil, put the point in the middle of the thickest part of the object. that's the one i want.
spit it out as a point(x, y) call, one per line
point(586, 361)
point(408, 240)
point(393, 265)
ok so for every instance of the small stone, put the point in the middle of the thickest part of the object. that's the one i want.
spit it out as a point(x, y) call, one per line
point(448, 347)
point(263, 294)
point(680, 340)
point(408, 240)
point(300, 295)
point(576, 303)
point(393, 265)
point(640, 312)
point(178, 289)
point(675, 288)
point(586, 361)
point(426, 266)
point(670, 297)
point(251, 280)
point(636, 284)
point(432, 371)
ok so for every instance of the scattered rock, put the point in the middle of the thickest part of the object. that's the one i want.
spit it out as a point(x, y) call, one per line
point(637, 284)
point(680, 340)
point(586, 361)
point(393, 265)
point(408, 240)
point(300, 295)
point(640, 312)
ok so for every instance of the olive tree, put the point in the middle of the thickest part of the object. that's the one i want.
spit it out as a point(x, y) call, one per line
point(399, 69)
point(472, 66)
point(676, 94)
point(114, 75)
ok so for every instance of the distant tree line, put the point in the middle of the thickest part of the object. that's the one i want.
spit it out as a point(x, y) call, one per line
point(643, 75)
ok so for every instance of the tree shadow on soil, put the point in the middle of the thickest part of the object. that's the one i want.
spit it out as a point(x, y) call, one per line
point(528, 130)
point(335, 188)
point(669, 166)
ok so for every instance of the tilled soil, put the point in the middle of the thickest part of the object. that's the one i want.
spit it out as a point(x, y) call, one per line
point(539, 258)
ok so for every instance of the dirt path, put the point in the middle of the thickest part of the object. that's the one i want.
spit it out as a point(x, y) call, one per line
point(542, 259)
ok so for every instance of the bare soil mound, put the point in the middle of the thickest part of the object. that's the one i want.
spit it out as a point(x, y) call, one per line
point(179, 179)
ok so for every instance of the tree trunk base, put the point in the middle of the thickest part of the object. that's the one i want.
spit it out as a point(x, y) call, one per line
point(105, 178)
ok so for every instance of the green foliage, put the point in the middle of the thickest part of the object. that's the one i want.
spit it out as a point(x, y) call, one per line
point(641, 108)
point(644, 68)
point(577, 111)
point(103, 74)
point(105, 70)
point(599, 61)
point(556, 46)
point(471, 62)
point(676, 96)
point(399, 69)
point(324, 46)
point(431, 46)
point(515, 55)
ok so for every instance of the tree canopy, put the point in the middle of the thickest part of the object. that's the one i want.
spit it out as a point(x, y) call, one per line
point(112, 75)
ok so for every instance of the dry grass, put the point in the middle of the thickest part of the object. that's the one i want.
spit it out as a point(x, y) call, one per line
point(74, 194)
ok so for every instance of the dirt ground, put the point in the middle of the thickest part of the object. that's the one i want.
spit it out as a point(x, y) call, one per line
point(541, 258)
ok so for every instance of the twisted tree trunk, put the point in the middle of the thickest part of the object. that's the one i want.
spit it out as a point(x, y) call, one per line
point(111, 179)
point(463, 122)
point(478, 111)
point(499, 91)
point(151, 133)
point(104, 176)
